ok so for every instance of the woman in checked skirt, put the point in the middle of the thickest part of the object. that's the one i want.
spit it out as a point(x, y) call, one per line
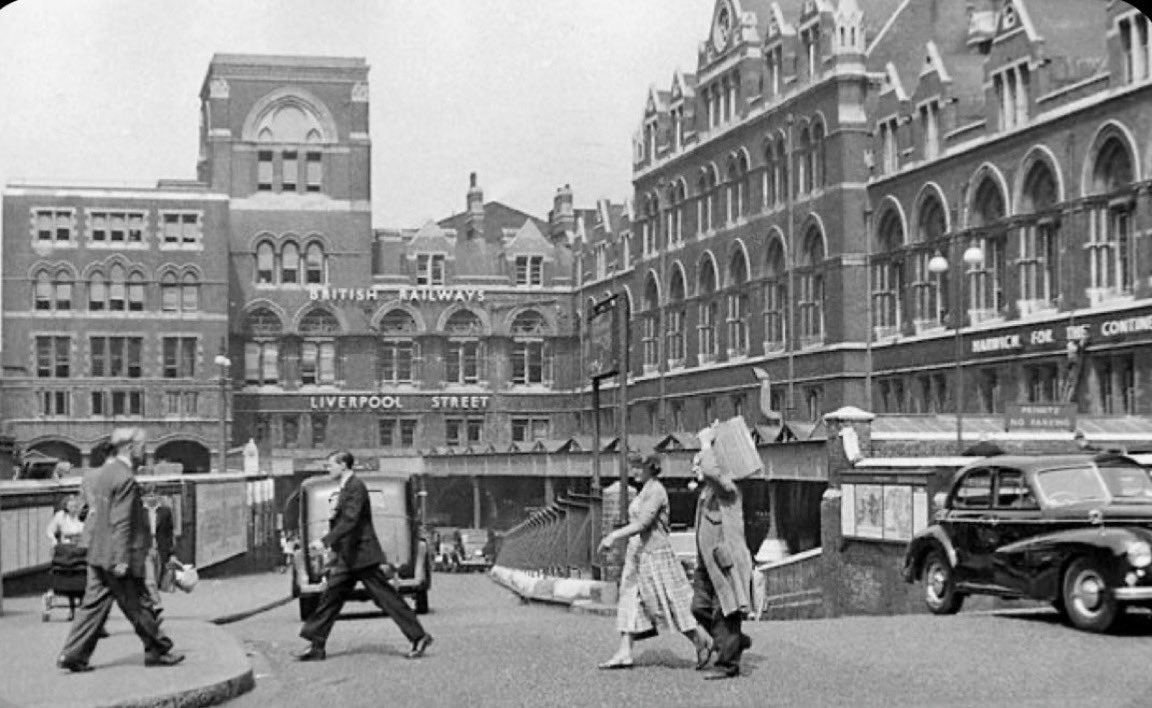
point(654, 591)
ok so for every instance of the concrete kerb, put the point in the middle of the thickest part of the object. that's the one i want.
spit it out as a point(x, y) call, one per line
point(586, 596)
point(208, 695)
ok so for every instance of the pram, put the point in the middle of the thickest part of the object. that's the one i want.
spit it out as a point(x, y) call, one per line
point(68, 575)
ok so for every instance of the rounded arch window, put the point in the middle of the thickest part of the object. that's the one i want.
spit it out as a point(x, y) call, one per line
point(988, 203)
point(43, 291)
point(190, 293)
point(263, 322)
point(529, 323)
point(397, 322)
point(706, 282)
point(676, 292)
point(117, 289)
point(319, 322)
point(290, 264)
point(265, 263)
point(97, 292)
point(464, 323)
point(1113, 167)
point(737, 268)
point(314, 265)
point(136, 292)
point(890, 234)
point(813, 248)
point(1040, 189)
point(651, 293)
point(930, 223)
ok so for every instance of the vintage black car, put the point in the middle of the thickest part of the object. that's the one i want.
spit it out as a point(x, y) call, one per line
point(1072, 530)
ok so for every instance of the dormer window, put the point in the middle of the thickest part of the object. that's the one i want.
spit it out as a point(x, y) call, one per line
point(930, 127)
point(1011, 86)
point(530, 269)
point(776, 70)
point(430, 269)
point(811, 41)
point(889, 145)
point(1134, 43)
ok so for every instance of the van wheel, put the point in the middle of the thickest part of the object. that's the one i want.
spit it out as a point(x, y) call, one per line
point(422, 602)
point(308, 605)
point(1088, 601)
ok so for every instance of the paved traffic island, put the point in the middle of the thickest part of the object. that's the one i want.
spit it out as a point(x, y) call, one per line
point(579, 595)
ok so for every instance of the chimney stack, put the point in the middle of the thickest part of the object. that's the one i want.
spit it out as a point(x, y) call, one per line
point(563, 216)
point(475, 197)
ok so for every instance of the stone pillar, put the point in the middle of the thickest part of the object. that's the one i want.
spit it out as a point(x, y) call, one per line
point(838, 424)
point(549, 491)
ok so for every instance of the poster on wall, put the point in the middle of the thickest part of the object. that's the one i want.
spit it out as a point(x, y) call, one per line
point(897, 512)
point(870, 511)
point(221, 522)
point(848, 510)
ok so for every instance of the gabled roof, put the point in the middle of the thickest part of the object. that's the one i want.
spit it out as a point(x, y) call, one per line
point(430, 237)
point(528, 240)
point(678, 441)
point(497, 217)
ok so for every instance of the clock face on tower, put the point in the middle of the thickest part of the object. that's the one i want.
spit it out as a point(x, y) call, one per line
point(721, 27)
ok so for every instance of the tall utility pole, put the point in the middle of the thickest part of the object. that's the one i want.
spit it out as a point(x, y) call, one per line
point(622, 362)
point(224, 363)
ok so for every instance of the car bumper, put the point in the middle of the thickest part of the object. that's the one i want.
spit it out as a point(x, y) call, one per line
point(1137, 594)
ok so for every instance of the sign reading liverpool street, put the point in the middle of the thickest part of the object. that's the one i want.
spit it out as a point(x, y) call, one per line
point(600, 344)
point(1039, 416)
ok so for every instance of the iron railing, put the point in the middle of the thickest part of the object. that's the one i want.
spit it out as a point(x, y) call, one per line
point(559, 540)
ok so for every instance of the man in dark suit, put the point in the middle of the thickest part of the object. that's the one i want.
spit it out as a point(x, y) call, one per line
point(118, 538)
point(352, 542)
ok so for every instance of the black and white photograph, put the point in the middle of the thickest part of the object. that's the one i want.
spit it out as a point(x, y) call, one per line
point(505, 353)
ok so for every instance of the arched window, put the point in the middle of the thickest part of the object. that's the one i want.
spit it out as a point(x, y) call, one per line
point(1111, 245)
point(265, 263)
point(703, 204)
point(63, 287)
point(737, 304)
point(676, 314)
point(318, 350)
point(781, 153)
point(262, 351)
point(768, 179)
point(651, 323)
point(290, 264)
point(804, 163)
point(397, 350)
point(1038, 263)
point(985, 280)
point(888, 275)
point(810, 288)
point(116, 289)
point(819, 178)
point(928, 290)
point(707, 311)
point(44, 293)
point(465, 362)
point(716, 197)
point(136, 292)
point(316, 271)
point(531, 351)
point(169, 293)
point(190, 293)
point(775, 297)
point(97, 292)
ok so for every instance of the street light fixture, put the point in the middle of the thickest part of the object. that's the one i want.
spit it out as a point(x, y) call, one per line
point(224, 363)
point(938, 264)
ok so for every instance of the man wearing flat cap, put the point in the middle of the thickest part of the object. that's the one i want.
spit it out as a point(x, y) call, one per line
point(118, 538)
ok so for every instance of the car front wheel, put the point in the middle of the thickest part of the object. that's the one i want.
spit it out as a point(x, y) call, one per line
point(940, 594)
point(1088, 601)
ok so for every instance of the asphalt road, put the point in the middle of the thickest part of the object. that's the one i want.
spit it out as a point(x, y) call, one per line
point(492, 650)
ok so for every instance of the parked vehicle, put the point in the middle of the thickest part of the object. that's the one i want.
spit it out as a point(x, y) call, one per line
point(395, 517)
point(1072, 530)
point(473, 551)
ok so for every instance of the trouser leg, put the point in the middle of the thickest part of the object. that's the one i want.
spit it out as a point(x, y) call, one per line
point(317, 627)
point(152, 577)
point(132, 597)
point(388, 599)
point(727, 637)
point(90, 617)
point(703, 604)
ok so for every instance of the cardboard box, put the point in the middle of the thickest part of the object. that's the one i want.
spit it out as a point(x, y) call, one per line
point(735, 450)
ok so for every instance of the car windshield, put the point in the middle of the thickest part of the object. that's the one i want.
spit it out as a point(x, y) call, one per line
point(1116, 480)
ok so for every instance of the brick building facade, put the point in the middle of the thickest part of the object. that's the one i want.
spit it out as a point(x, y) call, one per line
point(804, 200)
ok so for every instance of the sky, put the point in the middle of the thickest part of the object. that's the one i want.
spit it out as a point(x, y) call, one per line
point(530, 94)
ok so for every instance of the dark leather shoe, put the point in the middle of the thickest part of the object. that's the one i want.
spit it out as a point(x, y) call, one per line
point(704, 652)
point(420, 646)
point(76, 667)
point(723, 672)
point(167, 659)
point(316, 653)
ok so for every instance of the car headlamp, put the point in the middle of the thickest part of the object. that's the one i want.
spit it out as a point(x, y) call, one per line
point(1139, 554)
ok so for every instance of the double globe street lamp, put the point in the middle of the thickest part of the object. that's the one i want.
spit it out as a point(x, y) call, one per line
point(938, 264)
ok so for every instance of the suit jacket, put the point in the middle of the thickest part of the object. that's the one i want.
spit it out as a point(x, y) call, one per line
point(116, 529)
point(351, 535)
point(724, 553)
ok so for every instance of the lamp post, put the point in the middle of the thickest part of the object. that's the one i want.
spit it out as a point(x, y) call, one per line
point(938, 264)
point(223, 362)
